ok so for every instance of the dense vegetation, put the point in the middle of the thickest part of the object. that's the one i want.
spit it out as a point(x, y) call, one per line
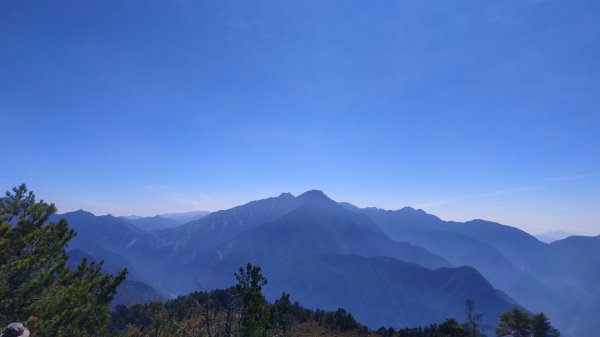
point(38, 288)
point(244, 311)
point(207, 314)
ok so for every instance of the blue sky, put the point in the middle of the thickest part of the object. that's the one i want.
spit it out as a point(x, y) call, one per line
point(471, 109)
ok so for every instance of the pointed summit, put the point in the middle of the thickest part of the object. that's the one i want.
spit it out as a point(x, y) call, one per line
point(317, 198)
point(80, 213)
point(313, 194)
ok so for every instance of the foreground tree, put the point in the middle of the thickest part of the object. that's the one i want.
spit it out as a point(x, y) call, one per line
point(281, 314)
point(515, 322)
point(255, 316)
point(35, 284)
point(519, 323)
point(540, 326)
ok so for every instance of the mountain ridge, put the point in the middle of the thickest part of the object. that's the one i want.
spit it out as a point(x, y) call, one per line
point(306, 230)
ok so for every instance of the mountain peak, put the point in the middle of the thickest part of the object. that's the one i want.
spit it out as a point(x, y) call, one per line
point(286, 195)
point(317, 198)
point(80, 212)
point(314, 194)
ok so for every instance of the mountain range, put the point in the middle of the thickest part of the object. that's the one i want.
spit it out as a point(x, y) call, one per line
point(551, 236)
point(393, 268)
point(164, 221)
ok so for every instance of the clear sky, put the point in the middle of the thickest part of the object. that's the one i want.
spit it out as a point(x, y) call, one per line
point(467, 109)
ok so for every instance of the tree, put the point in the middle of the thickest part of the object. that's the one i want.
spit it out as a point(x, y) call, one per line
point(515, 322)
point(282, 314)
point(519, 323)
point(232, 305)
point(451, 328)
point(540, 326)
point(36, 286)
point(254, 311)
point(473, 325)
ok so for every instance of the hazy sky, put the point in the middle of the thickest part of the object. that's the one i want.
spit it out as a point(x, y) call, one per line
point(467, 109)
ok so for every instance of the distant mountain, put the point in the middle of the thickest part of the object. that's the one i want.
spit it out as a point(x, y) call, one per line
point(300, 250)
point(118, 242)
point(558, 278)
point(272, 231)
point(135, 292)
point(129, 292)
point(154, 222)
point(551, 236)
point(580, 256)
point(164, 221)
point(199, 237)
point(382, 291)
point(304, 233)
point(461, 245)
point(111, 233)
point(323, 251)
point(326, 254)
point(185, 217)
point(286, 235)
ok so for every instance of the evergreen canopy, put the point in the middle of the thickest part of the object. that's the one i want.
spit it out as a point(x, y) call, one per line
point(36, 286)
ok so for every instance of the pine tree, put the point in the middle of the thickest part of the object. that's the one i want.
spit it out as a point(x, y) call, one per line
point(254, 312)
point(540, 326)
point(35, 284)
point(282, 314)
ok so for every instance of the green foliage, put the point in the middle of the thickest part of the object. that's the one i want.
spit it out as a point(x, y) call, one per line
point(451, 328)
point(254, 313)
point(339, 320)
point(254, 316)
point(540, 326)
point(35, 284)
point(515, 322)
point(519, 323)
point(281, 314)
point(185, 316)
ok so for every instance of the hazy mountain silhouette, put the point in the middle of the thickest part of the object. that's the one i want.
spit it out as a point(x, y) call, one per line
point(154, 222)
point(129, 292)
point(382, 290)
point(185, 217)
point(556, 278)
point(551, 236)
point(296, 239)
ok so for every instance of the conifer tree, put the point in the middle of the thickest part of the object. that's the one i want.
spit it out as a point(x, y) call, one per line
point(282, 314)
point(254, 311)
point(540, 326)
point(36, 286)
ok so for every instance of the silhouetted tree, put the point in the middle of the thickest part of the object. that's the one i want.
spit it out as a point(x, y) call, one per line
point(473, 325)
